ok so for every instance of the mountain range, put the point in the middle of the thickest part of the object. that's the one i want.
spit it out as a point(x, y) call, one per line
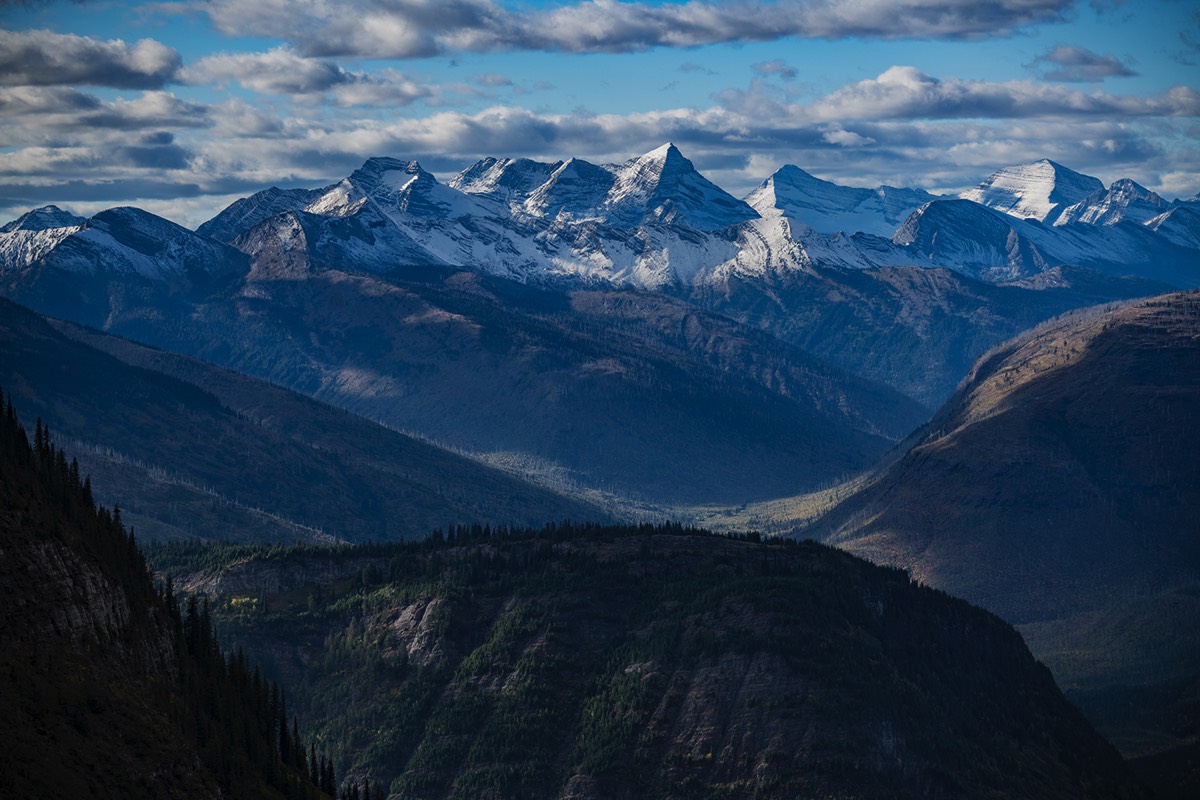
point(629, 325)
point(651, 222)
point(969, 388)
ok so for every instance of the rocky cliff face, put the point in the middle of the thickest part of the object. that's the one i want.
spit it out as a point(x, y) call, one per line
point(615, 663)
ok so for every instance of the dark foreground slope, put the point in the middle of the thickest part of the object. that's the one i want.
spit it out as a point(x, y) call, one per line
point(195, 450)
point(106, 690)
point(1060, 488)
point(625, 663)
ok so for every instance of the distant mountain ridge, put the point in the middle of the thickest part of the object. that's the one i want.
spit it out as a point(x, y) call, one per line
point(194, 450)
point(655, 222)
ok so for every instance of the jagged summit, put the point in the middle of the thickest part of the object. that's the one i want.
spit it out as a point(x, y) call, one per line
point(399, 188)
point(1125, 200)
point(382, 176)
point(655, 220)
point(664, 185)
point(1180, 225)
point(34, 234)
point(242, 215)
point(43, 219)
point(576, 188)
point(509, 180)
point(1038, 190)
point(980, 242)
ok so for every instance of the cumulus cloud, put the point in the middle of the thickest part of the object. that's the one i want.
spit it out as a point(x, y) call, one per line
point(906, 92)
point(45, 58)
point(420, 28)
point(282, 71)
point(1078, 65)
point(152, 152)
point(775, 67)
point(846, 138)
point(278, 71)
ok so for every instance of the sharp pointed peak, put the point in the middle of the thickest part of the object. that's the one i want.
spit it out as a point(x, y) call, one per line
point(792, 172)
point(670, 152)
point(666, 153)
point(574, 164)
point(1041, 164)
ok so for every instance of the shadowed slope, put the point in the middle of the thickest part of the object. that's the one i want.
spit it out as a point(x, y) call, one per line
point(191, 449)
point(1059, 488)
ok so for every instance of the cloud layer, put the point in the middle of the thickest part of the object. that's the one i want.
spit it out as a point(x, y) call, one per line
point(44, 58)
point(281, 71)
point(420, 28)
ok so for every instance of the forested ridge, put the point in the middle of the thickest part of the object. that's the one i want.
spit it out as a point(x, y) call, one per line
point(590, 661)
point(111, 688)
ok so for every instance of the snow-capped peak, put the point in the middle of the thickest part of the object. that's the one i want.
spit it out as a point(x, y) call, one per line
point(397, 187)
point(1180, 225)
point(791, 190)
point(1039, 190)
point(1124, 200)
point(664, 163)
point(33, 234)
point(575, 189)
point(828, 207)
point(663, 184)
point(43, 219)
point(510, 180)
point(123, 240)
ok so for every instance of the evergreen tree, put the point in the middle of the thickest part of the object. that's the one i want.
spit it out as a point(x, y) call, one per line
point(218, 705)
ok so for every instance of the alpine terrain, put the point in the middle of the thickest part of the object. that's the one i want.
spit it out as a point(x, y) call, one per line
point(416, 458)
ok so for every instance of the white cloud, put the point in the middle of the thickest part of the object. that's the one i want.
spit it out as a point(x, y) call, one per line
point(908, 93)
point(419, 28)
point(45, 58)
point(29, 113)
point(281, 71)
point(846, 138)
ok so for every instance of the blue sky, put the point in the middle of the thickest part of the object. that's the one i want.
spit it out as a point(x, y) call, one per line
point(182, 106)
